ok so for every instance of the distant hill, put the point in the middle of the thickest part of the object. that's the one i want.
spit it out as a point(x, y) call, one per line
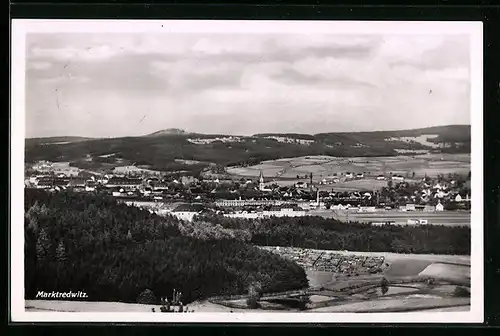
point(56, 140)
point(168, 131)
point(449, 132)
point(167, 149)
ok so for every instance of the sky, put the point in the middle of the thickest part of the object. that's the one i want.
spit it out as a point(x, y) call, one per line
point(112, 85)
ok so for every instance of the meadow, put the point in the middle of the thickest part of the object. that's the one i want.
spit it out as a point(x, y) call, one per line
point(286, 170)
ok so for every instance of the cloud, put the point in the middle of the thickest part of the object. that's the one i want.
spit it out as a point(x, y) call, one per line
point(244, 83)
point(64, 80)
point(39, 65)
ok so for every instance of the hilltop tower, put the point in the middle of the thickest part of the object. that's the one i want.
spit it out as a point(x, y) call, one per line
point(261, 181)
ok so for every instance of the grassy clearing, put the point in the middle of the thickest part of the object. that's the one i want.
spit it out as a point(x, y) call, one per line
point(447, 271)
point(406, 268)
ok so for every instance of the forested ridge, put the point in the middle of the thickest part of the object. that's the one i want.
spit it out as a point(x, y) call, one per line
point(160, 152)
point(114, 252)
point(329, 234)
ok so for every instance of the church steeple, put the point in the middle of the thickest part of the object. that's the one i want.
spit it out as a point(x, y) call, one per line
point(261, 181)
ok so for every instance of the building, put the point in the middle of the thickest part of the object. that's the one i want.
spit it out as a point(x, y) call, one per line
point(159, 186)
point(246, 215)
point(381, 177)
point(439, 207)
point(429, 208)
point(367, 209)
point(123, 182)
point(301, 185)
point(349, 175)
point(340, 207)
point(77, 183)
point(241, 203)
point(398, 178)
point(360, 175)
point(410, 207)
point(284, 211)
point(188, 180)
point(44, 183)
point(262, 186)
point(187, 211)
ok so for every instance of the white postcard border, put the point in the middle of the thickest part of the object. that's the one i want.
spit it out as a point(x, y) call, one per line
point(21, 27)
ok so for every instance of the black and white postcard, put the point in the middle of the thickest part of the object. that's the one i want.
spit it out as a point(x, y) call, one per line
point(246, 171)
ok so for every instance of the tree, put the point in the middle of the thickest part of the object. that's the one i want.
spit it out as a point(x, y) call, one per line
point(384, 286)
point(254, 294)
point(146, 297)
point(42, 245)
point(389, 184)
point(61, 252)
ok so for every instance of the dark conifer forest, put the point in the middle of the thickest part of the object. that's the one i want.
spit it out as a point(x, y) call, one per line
point(114, 252)
point(328, 234)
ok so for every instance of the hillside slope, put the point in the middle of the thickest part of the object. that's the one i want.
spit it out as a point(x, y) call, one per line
point(159, 150)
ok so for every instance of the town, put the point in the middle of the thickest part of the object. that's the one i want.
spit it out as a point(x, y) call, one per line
point(186, 196)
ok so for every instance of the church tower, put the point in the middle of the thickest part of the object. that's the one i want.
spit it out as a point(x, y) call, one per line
point(261, 181)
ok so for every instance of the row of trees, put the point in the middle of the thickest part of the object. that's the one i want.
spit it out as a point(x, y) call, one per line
point(114, 252)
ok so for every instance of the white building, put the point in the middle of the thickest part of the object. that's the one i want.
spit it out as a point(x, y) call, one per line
point(439, 207)
point(246, 215)
point(367, 209)
point(187, 211)
point(240, 203)
point(284, 212)
point(341, 207)
point(410, 207)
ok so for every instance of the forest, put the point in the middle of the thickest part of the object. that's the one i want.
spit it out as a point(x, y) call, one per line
point(329, 234)
point(115, 252)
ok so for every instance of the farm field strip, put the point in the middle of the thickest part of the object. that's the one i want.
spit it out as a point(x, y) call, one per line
point(430, 164)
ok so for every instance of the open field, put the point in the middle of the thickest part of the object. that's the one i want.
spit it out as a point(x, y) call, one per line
point(400, 218)
point(400, 268)
point(396, 304)
point(367, 184)
point(447, 271)
point(323, 166)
